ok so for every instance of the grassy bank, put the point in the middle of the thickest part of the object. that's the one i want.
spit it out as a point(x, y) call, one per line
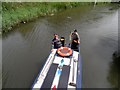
point(14, 13)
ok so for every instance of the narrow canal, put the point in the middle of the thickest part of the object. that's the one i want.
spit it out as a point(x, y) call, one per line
point(27, 47)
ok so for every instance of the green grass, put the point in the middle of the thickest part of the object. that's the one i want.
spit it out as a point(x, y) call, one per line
point(13, 16)
point(14, 13)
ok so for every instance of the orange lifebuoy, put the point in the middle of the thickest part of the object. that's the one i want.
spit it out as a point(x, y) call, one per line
point(64, 51)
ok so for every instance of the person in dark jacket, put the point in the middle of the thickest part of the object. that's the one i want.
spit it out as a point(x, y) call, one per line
point(56, 43)
point(75, 40)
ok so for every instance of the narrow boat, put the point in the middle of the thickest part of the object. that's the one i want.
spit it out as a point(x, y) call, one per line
point(63, 69)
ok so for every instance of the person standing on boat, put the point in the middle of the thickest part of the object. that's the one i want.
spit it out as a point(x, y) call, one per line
point(75, 40)
point(56, 43)
point(62, 39)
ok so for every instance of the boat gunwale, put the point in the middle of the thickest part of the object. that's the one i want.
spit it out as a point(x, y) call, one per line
point(40, 72)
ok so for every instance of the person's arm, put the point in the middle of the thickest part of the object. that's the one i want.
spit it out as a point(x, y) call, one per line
point(70, 36)
point(53, 44)
point(78, 37)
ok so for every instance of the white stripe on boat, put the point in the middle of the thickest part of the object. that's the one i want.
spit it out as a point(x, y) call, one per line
point(45, 69)
point(58, 73)
point(73, 70)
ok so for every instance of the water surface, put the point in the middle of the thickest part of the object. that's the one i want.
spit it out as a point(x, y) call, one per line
point(26, 49)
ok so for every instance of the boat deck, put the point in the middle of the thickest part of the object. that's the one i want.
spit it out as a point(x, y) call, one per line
point(59, 72)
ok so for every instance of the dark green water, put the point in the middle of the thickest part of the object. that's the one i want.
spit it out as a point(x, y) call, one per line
point(26, 49)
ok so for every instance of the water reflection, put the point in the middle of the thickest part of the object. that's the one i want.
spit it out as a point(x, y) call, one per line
point(114, 72)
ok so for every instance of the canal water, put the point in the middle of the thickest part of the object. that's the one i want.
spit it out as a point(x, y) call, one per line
point(27, 47)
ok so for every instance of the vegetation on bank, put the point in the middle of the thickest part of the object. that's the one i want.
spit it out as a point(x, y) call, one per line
point(14, 13)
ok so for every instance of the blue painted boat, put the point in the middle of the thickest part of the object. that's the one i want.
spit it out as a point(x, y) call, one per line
point(60, 71)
